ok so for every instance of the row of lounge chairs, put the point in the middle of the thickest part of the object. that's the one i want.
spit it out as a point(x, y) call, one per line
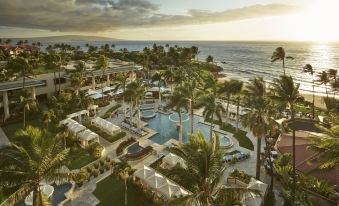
point(133, 129)
point(239, 156)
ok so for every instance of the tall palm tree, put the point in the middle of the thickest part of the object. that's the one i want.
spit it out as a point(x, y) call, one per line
point(169, 75)
point(202, 174)
point(135, 91)
point(177, 101)
point(158, 76)
point(121, 81)
point(102, 63)
point(332, 74)
point(26, 167)
point(229, 88)
point(279, 54)
point(256, 121)
point(125, 173)
point(324, 79)
point(28, 104)
point(327, 146)
point(287, 92)
point(48, 116)
point(21, 65)
point(309, 69)
point(190, 90)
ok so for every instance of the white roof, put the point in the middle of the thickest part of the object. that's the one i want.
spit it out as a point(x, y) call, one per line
point(91, 92)
point(75, 128)
point(97, 96)
point(171, 189)
point(144, 173)
point(67, 121)
point(156, 180)
point(79, 113)
point(173, 160)
point(105, 125)
point(87, 135)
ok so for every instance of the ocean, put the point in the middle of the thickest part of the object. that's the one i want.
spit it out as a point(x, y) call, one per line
point(246, 60)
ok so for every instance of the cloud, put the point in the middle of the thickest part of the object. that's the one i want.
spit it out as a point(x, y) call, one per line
point(109, 15)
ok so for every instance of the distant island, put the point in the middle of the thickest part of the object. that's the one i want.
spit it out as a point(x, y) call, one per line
point(66, 38)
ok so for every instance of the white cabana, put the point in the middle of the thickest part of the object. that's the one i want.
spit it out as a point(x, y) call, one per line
point(255, 199)
point(171, 160)
point(97, 96)
point(160, 183)
point(86, 136)
point(78, 114)
point(105, 125)
point(144, 173)
point(280, 121)
point(94, 108)
point(67, 121)
point(75, 128)
point(46, 189)
point(91, 92)
point(321, 118)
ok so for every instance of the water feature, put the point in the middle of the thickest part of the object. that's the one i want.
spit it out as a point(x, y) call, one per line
point(166, 126)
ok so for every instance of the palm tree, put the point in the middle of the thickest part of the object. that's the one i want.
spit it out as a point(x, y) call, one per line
point(332, 74)
point(21, 65)
point(26, 167)
point(209, 59)
point(287, 92)
point(48, 116)
point(209, 102)
point(327, 146)
point(190, 90)
point(169, 75)
point(309, 69)
point(121, 79)
point(125, 173)
point(102, 63)
point(324, 79)
point(177, 101)
point(28, 104)
point(229, 88)
point(279, 54)
point(202, 174)
point(158, 76)
point(135, 91)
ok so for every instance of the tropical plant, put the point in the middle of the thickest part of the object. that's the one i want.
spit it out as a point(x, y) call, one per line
point(102, 63)
point(28, 104)
point(327, 146)
point(121, 81)
point(309, 69)
point(202, 174)
point(323, 79)
point(20, 65)
point(77, 77)
point(158, 77)
point(332, 74)
point(48, 116)
point(285, 91)
point(177, 102)
point(279, 54)
point(26, 167)
point(124, 171)
point(134, 92)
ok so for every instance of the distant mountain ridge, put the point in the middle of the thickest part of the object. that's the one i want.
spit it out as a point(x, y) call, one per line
point(66, 38)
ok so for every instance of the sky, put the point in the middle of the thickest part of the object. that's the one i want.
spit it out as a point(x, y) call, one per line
point(263, 20)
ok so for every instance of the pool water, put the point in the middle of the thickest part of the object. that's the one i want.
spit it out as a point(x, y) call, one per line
point(134, 148)
point(167, 129)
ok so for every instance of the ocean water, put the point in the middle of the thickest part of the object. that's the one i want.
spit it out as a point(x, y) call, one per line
point(245, 60)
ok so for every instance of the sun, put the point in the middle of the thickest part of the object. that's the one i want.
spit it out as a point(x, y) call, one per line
point(317, 22)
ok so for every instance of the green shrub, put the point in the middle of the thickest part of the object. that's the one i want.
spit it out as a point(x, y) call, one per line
point(241, 175)
point(101, 162)
point(107, 166)
point(108, 159)
point(80, 178)
point(102, 170)
point(95, 149)
point(96, 165)
point(89, 169)
point(95, 172)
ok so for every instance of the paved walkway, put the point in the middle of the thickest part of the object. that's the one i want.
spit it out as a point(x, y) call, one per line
point(3, 139)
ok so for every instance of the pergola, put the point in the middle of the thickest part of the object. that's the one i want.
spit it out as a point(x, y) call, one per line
point(106, 125)
point(86, 136)
point(78, 114)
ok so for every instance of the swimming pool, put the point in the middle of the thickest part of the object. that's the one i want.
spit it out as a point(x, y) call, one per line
point(134, 148)
point(167, 129)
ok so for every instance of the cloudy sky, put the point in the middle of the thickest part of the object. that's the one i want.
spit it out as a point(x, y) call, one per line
point(308, 20)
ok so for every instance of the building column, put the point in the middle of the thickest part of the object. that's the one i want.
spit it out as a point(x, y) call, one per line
point(33, 93)
point(6, 106)
point(108, 80)
point(93, 82)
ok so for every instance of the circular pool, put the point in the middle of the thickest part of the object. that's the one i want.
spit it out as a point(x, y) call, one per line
point(225, 142)
point(148, 114)
point(175, 117)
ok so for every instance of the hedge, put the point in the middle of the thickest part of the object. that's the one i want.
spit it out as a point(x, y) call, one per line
point(123, 145)
point(109, 112)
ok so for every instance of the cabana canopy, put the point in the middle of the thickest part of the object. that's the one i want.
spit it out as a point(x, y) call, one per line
point(97, 96)
point(67, 121)
point(87, 135)
point(78, 114)
point(75, 127)
point(106, 125)
point(160, 183)
point(172, 160)
point(255, 199)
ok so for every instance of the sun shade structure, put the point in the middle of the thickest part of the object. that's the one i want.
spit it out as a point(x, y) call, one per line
point(160, 184)
point(255, 199)
point(75, 128)
point(106, 126)
point(78, 114)
point(86, 136)
point(171, 160)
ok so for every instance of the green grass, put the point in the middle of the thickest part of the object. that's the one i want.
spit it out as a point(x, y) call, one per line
point(243, 140)
point(79, 159)
point(111, 191)
point(110, 111)
point(42, 70)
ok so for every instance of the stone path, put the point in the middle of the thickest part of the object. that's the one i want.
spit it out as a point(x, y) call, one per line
point(3, 139)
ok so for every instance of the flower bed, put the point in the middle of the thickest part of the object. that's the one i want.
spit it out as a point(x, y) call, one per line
point(123, 145)
point(138, 155)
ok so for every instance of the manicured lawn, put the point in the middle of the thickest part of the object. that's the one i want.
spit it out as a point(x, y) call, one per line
point(79, 159)
point(111, 191)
